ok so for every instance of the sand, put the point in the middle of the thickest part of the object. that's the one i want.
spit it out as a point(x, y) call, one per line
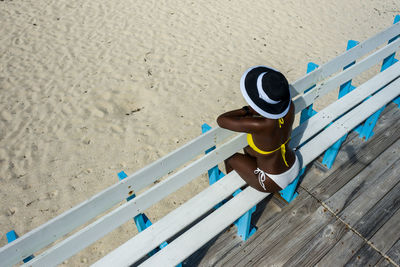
point(91, 88)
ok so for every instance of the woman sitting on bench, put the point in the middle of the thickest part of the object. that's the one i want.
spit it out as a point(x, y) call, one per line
point(268, 165)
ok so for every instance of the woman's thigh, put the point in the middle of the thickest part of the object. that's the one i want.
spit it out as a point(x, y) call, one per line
point(245, 166)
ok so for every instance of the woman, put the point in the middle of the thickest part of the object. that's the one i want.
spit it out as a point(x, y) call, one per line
point(268, 164)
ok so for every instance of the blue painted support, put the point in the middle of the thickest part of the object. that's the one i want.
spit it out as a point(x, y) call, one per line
point(365, 131)
point(141, 220)
point(331, 153)
point(214, 174)
point(308, 112)
point(244, 227)
point(11, 236)
point(243, 224)
point(289, 193)
point(397, 101)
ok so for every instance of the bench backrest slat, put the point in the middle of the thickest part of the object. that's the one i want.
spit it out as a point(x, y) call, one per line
point(322, 89)
point(339, 62)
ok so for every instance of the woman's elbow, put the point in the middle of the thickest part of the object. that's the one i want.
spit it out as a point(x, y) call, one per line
point(221, 121)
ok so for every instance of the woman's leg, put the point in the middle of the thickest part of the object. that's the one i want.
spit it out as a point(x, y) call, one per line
point(246, 151)
point(245, 166)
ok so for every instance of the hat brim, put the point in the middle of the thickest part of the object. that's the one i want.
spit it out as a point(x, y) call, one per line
point(248, 87)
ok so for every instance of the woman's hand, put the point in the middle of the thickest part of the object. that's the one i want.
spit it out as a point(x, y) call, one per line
point(240, 120)
point(253, 112)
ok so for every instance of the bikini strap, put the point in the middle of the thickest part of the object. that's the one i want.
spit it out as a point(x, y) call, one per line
point(283, 152)
point(281, 122)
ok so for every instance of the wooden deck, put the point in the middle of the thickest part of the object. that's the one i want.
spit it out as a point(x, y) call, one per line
point(348, 215)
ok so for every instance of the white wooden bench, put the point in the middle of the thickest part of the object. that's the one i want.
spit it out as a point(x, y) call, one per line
point(311, 139)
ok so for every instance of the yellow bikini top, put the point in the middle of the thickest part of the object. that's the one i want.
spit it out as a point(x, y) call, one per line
point(282, 147)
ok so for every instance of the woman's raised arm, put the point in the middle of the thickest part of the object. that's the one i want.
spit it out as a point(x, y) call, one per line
point(240, 120)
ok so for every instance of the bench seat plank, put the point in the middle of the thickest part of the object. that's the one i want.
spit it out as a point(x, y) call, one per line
point(172, 223)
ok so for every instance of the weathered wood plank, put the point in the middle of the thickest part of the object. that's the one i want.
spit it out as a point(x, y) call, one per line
point(366, 201)
point(351, 147)
point(365, 256)
point(352, 167)
point(343, 250)
point(394, 252)
point(382, 211)
point(389, 233)
point(366, 182)
point(384, 263)
point(311, 252)
point(216, 249)
point(291, 241)
point(266, 229)
point(299, 220)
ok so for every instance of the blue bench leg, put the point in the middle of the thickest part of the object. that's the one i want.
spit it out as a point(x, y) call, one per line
point(214, 174)
point(397, 101)
point(244, 227)
point(243, 224)
point(331, 153)
point(365, 131)
point(141, 220)
point(11, 236)
point(289, 193)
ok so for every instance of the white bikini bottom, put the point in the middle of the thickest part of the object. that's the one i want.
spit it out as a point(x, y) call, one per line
point(283, 179)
